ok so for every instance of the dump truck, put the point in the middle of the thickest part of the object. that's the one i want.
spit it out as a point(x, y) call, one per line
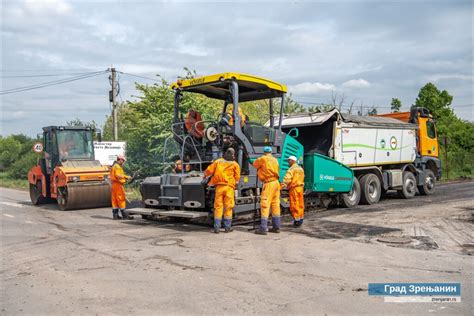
point(396, 151)
point(67, 170)
point(183, 194)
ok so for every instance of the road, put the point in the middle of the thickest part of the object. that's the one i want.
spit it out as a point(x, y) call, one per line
point(81, 261)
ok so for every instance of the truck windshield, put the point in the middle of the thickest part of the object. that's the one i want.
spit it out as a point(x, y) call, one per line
point(75, 144)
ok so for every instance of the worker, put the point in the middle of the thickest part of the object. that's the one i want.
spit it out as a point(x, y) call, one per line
point(225, 174)
point(66, 146)
point(294, 182)
point(268, 172)
point(243, 117)
point(118, 179)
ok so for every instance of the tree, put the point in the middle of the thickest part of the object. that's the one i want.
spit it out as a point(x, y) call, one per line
point(438, 102)
point(78, 122)
point(372, 111)
point(395, 105)
point(10, 150)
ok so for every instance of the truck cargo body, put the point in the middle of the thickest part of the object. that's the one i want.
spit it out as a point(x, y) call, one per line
point(382, 151)
point(357, 145)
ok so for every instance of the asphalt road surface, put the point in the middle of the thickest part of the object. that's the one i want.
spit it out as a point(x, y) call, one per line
point(73, 262)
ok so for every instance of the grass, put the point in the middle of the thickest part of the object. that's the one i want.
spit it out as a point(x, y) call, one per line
point(7, 182)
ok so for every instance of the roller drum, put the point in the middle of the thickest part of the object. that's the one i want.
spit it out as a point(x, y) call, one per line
point(86, 195)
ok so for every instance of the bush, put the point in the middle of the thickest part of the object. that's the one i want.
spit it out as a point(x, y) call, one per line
point(19, 169)
point(10, 150)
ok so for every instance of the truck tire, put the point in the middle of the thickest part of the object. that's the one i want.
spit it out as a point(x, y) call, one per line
point(371, 189)
point(352, 198)
point(429, 183)
point(408, 187)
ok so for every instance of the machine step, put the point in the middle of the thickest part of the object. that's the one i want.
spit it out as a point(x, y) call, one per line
point(166, 213)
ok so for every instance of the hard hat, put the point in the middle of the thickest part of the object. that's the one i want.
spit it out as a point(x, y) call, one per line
point(267, 149)
point(121, 157)
point(292, 158)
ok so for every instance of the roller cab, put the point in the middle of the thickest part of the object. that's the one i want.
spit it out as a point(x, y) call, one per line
point(67, 170)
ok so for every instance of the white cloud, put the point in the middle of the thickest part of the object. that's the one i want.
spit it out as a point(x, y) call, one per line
point(439, 77)
point(307, 88)
point(357, 83)
point(44, 6)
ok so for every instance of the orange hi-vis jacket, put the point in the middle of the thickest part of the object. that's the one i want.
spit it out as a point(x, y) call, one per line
point(294, 177)
point(230, 109)
point(223, 172)
point(118, 179)
point(267, 167)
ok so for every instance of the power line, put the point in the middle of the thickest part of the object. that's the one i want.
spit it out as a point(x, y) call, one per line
point(49, 75)
point(138, 76)
point(47, 70)
point(51, 83)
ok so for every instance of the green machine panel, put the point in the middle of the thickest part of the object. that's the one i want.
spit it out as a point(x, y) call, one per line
point(323, 174)
point(291, 147)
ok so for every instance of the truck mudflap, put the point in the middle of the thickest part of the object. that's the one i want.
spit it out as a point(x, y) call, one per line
point(326, 175)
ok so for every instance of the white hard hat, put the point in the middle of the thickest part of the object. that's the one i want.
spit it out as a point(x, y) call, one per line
point(121, 157)
point(292, 158)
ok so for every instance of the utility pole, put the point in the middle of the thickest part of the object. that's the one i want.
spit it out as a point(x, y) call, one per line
point(112, 98)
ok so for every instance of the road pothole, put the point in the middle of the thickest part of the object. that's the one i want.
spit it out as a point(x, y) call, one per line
point(163, 242)
point(413, 242)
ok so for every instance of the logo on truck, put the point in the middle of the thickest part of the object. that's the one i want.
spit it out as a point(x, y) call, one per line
point(382, 143)
point(393, 142)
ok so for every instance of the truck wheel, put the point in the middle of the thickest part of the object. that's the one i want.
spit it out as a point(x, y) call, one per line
point(429, 183)
point(371, 189)
point(352, 198)
point(408, 187)
point(36, 194)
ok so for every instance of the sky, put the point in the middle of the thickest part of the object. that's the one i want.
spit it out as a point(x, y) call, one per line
point(366, 51)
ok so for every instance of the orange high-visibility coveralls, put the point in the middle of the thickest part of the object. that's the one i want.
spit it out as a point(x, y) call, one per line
point(294, 181)
point(230, 109)
point(268, 172)
point(118, 179)
point(225, 175)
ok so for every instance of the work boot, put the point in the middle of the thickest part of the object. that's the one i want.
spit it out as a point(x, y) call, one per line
point(115, 215)
point(125, 214)
point(217, 226)
point(298, 223)
point(228, 225)
point(276, 222)
point(263, 227)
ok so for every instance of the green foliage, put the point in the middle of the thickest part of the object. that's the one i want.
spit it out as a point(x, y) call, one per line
point(459, 133)
point(372, 111)
point(19, 169)
point(438, 102)
point(78, 122)
point(395, 105)
point(10, 150)
point(17, 156)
